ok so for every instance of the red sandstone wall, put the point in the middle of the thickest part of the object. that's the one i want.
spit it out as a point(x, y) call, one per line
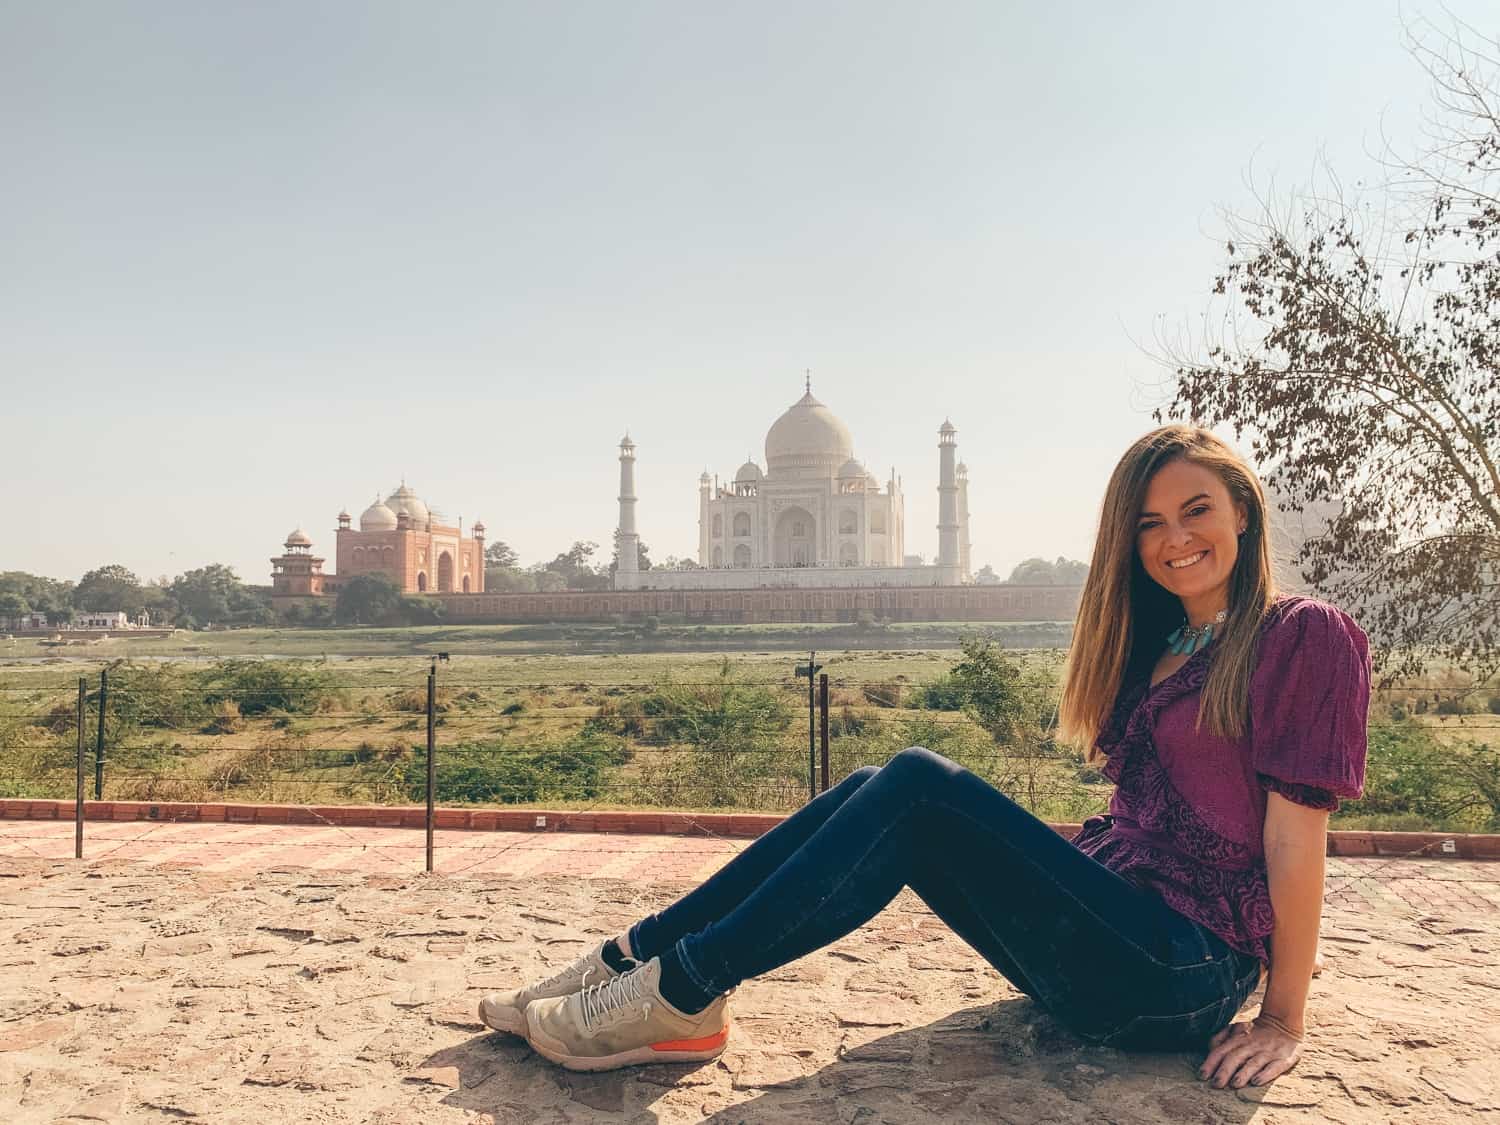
point(930, 603)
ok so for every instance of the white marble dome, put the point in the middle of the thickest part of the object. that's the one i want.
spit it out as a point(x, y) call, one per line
point(852, 470)
point(377, 517)
point(749, 471)
point(808, 435)
point(298, 538)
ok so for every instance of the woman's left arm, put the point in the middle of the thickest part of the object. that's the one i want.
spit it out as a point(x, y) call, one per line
point(1296, 841)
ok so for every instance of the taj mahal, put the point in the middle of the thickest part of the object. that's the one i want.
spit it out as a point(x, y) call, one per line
point(807, 535)
point(813, 517)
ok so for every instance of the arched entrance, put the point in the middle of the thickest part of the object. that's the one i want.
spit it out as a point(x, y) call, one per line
point(466, 583)
point(445, 573)
point(421, 581)
point(796, 538)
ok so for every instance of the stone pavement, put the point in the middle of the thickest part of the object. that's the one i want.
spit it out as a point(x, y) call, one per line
point(220, 985)
point(1361, 885)
point(248, 848)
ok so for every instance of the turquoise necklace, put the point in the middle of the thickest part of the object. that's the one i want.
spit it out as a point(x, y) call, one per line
point(1186, 640)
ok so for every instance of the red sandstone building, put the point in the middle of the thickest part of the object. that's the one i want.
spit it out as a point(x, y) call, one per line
point(422, 552)
point(419, 550)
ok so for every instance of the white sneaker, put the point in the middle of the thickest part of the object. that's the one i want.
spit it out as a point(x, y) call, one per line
point(506, 1011)
point(623, 1021)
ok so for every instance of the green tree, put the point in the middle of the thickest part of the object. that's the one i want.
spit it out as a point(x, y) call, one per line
point(1040, 572)
point(416, 610)
point(500, 555)
point(14, 605)
point(208, 593)
point(1361, 354)
point(573, 566)
point(548, 581)
point(509, 580)
point(502, 571)
point(368, 599)
point(43, 595)
point(110, 588)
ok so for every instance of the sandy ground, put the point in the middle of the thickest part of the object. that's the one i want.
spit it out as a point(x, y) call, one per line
point(135, 993)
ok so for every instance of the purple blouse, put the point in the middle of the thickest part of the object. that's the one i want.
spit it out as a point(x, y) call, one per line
point(1188, 811)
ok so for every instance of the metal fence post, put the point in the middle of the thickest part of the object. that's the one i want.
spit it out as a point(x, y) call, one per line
point(99, 740)
point(812, 709)
point(431, 754)
point(823, 725)
point(83, 693)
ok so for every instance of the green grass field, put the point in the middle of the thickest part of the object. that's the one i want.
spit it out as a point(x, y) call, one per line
point(521, 640)
point(521, 720)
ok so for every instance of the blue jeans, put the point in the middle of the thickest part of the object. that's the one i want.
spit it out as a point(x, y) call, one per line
point(1108, 959)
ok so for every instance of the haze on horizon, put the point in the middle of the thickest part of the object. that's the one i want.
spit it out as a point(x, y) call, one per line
point(263, 262)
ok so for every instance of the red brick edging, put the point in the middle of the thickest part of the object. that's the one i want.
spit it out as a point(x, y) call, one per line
point(1340, 842)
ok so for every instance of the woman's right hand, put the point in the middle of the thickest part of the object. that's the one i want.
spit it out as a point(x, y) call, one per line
point(1249, 1053)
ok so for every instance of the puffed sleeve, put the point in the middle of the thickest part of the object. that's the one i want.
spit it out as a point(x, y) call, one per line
point(1309, 699)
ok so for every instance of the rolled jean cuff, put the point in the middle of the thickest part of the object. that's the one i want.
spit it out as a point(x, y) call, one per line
point(704, 984)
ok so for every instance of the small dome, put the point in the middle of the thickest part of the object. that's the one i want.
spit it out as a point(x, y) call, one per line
point(479, 527)
point(344, 515)
point(808, 434)
point(852, 469)
point(377, 517)
point(705, 478)
point(947, 427)
point(298, 538)
point(749, 471)
point(405, 500)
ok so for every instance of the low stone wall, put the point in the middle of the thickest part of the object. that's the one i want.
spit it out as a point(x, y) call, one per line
point(87, 634)
point(1341, 842)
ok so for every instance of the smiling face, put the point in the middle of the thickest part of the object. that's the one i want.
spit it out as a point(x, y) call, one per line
point(1187, 536)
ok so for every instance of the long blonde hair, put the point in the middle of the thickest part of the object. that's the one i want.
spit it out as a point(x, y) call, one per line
point(1124, 616)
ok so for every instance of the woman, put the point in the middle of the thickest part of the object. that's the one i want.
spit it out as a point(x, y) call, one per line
point(1231, 722)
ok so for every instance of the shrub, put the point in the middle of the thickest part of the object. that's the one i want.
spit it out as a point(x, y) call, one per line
point(1408, 772)
point(153, 697)
point(946, 693)
point(571, 770)
point(226, 718)
point(734, 737)
point(414, 700)
point(259, 686)
point(883, 695)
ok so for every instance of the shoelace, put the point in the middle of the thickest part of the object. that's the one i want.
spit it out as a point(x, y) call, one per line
point(563, 975)
point(610, 996)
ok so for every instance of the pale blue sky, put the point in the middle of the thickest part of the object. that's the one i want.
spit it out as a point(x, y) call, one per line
point(258, 261)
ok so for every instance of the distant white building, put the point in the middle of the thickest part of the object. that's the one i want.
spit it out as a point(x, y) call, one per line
point(813, 517)
point(93, 619)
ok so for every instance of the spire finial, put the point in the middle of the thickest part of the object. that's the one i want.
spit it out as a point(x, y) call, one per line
point(807, 385)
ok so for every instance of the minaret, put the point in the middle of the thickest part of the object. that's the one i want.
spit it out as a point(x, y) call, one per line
point(948, 558)
point(626, 575)
point(705, 485)
point(478, 583)
point(964, 572)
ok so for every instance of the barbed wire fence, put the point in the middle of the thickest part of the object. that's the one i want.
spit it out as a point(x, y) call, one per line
point(730, 745)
